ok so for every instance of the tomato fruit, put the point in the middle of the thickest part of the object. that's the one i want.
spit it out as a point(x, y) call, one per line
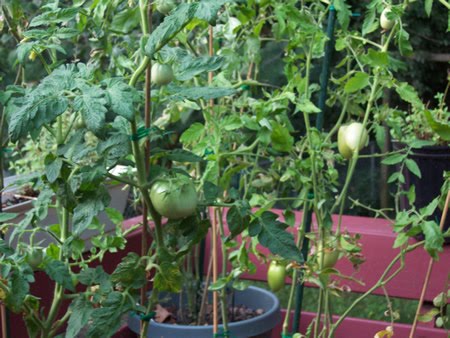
point(174, 197)
point(351, 137)
point(35, 258)
point(162, 74)
point(165, 6)
point(385, 23)
point(276, 275)
point(330, 257)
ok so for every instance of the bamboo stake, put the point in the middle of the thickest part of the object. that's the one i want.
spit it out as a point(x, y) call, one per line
point(430, 268)
point(214, 268)
point(214, 216)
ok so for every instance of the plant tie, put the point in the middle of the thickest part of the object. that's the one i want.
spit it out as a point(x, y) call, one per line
point(286, 335)
point(141, 133)
point(225, 334)
point(147, 317)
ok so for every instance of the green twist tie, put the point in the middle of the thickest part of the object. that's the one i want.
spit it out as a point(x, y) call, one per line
point(332, 8)
point(245, 87)
point(225, 334)
point(6, 150)
point(208, 152)
point(286, 335)
point(146, 318)
point(356, 14)
point(140, 134)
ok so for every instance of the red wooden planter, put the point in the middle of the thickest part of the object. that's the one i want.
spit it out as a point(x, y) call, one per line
point(377, 240)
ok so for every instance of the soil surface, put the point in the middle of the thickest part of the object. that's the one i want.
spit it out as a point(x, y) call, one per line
point(171, 315)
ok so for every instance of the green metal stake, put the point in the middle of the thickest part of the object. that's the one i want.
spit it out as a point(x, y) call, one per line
point(324, 78)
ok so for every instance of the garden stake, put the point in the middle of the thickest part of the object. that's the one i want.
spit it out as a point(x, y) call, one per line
point(148, 108)
point(214, 216)
point(324, 77)
point(430, 268)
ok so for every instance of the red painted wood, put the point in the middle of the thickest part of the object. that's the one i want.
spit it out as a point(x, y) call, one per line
point(363, 328)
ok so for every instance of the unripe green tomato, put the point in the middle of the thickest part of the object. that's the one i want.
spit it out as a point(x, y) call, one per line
point(351, 137)
point(80, 124)
point(330, 257)
point(385, 23)
point(174, 197)
point(162, 74)
point(165, 6)
point(276, 275)
point(35, 258)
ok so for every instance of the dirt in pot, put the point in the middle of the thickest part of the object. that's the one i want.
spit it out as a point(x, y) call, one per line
point(170, 314)
point(26, 194)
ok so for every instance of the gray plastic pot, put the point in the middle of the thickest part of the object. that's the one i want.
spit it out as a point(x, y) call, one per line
point(258, 327)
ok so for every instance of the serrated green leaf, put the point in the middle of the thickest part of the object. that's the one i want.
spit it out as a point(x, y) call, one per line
point(60, 15)
point(92, 105)
point(126, 20)
point(19, 288)
point(53, 168)
point(343, 13)
point(281, 139)
point(195, 93)
point(208, 10)
point(434, 239)
point(442, 129)
point(272, 234)
point(409, 94)
point(394, 159)
point(81, 310)
point(120, 97)
point(60, 273)
point(169, 277)
point(192, 134)
point(106, 320)
point(130, 272)
point(182, 155)
point(169, 28)
point(188, 67)
point(306, 106)
point(357, 82)
point(370, 23)
point(90, 206)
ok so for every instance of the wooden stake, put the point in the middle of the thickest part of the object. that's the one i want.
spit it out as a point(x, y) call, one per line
point(430, 269)
point(214, 268)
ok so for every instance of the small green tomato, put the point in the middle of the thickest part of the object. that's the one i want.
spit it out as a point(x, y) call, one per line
point(162, 74)
point(165, 6)
point(276, 275)
point(385, 23)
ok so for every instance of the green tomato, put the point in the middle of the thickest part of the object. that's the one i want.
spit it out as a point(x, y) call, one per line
point(276, 275)
point(80, 124)
point(174, 197)
point(385, 23)
point(330, 257)
point(165, 6)
point(35, 258)
point(351, 137)
point(162, 74)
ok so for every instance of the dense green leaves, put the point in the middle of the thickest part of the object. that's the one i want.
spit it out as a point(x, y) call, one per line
point(357, 82)
point(81, 311)
point(130, 272)
point(195, 93)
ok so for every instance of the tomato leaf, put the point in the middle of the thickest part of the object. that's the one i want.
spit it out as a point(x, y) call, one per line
point(130, 272)
point(7, 216)
point(81, 310)
point(271, 234)
point(192, 134)
point(120, 98)
point(208, 9)
point(394, 159)
point(343, 13)
point(195, 93)
point(19, 288)
point(169, 277)
point(169, 28)
point(92, 105)
point(442, 129)
point(434, 239)
point(60, 273)
point(413, 167)
point(359, 81)
point(409, 94)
